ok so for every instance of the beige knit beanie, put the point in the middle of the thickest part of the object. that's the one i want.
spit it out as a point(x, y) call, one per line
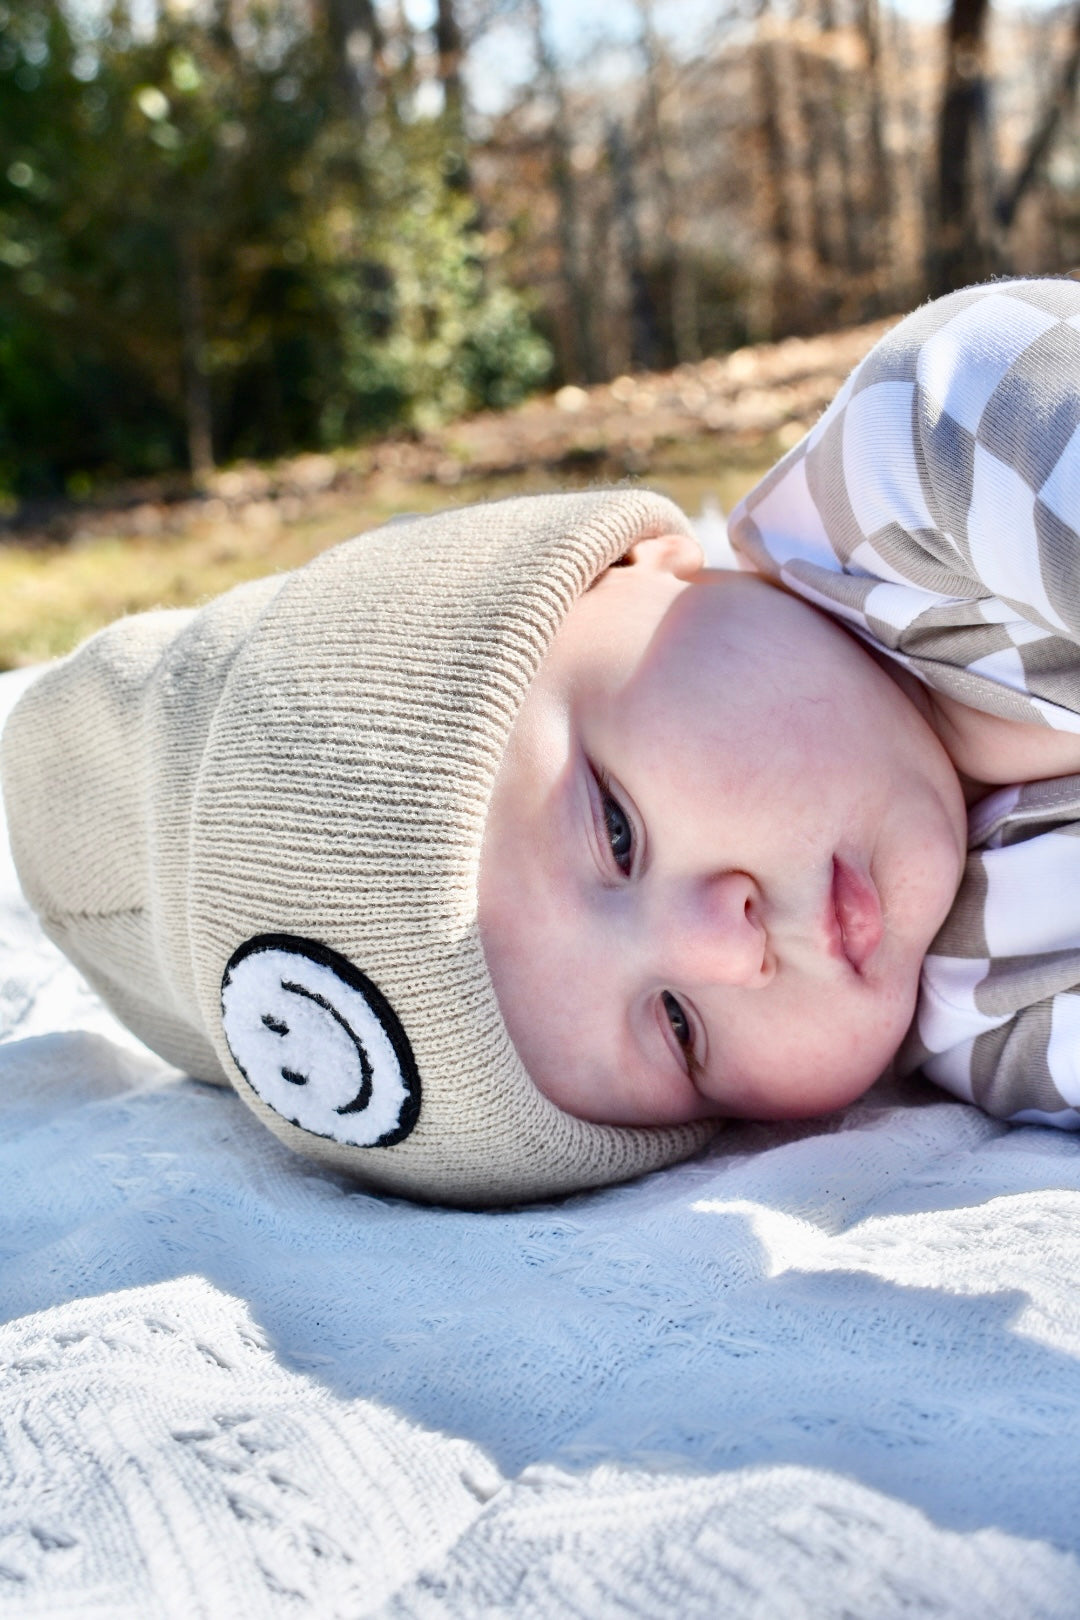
point(255, 827)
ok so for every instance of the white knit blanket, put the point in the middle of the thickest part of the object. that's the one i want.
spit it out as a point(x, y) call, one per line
point(822, 1372)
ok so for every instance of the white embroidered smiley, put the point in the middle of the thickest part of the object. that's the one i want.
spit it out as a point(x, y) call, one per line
point(319, 1042)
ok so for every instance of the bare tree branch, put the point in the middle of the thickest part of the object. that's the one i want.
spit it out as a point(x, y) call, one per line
point(1042, 136)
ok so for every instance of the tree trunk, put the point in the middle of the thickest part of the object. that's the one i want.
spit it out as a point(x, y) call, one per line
point(1042, 136)
point(645, 344)
point(356, 40)
point(832, 208)
point(198, 410)
point(959, 248)
point(816, 167)
point(774, 180)
point(576, 292)
point(849, 201)
point(910, 202)
point(682, 281)
point(878, 206)
point(450, 48)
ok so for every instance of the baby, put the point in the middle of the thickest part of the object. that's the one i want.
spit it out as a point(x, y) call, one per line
point(720, 844)
point(726, 833)
point(499, 854)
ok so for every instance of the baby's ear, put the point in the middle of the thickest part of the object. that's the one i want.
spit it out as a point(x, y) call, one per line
point(675, 553)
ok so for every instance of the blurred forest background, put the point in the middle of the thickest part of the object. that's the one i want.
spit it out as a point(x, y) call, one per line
point(239, 230)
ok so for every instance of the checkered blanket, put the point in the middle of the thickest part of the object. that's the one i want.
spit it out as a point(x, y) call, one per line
point(935, 508)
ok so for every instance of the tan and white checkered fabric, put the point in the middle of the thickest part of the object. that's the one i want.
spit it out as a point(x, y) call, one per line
point(935, 508)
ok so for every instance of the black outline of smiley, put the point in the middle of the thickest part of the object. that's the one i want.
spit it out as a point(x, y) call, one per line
point(324, 956)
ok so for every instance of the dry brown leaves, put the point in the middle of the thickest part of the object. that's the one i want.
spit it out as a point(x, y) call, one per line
point(750, 395)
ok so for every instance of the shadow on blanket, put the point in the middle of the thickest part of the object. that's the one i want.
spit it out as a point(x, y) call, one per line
point(885, 1301)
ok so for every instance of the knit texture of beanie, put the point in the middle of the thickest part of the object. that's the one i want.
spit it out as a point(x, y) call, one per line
point(256, 827)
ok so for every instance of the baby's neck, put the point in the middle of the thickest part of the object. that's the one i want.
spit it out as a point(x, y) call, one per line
point(991, 751)
point(986, 750)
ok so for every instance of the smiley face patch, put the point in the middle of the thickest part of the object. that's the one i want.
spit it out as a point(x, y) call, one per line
point(319, 1042)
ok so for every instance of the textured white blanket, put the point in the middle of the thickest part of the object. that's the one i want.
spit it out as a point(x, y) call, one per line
point(819, 1373)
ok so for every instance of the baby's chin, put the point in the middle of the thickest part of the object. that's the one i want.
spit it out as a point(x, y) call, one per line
point(811, 1096)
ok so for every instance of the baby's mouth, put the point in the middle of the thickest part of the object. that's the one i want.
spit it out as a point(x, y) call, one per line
point(857, 911)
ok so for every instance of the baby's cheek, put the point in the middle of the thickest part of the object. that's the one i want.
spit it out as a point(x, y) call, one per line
point(865, 1040)
point(815, 1056)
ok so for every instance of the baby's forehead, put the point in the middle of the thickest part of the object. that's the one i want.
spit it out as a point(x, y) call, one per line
point(674, 647)
point(632, 644)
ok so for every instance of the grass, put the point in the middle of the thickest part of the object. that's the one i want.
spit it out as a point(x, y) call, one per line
point(53, 596)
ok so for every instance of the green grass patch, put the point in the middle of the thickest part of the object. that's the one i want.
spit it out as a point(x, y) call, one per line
point(52, 597)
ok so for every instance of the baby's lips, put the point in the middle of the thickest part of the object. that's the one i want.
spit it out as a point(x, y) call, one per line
point(857, 906)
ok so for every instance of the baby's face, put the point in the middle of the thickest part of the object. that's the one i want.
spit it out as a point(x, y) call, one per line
point(720, 842)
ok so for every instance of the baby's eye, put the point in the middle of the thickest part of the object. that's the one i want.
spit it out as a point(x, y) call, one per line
point(620, 833)
point(678, 1020)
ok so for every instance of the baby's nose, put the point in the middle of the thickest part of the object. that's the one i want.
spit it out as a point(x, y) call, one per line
point(722, 937)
